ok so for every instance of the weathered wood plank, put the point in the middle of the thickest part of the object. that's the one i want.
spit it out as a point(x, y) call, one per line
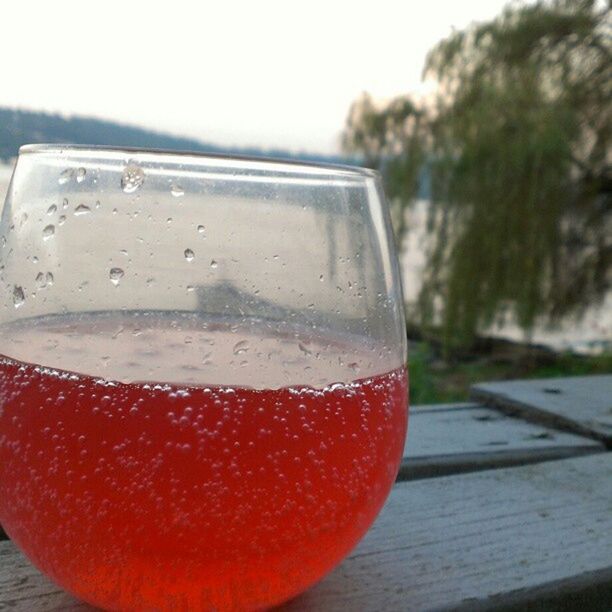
point(24, 588)
point(582, 404)
point(453, 438)
point(497, 539)
point(486, 540)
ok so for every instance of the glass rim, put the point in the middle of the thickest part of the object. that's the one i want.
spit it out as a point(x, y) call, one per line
point(270, 161)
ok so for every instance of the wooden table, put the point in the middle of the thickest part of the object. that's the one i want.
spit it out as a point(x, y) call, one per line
point(505, 503)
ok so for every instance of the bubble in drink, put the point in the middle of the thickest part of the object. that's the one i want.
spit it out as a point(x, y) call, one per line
point(160, 487)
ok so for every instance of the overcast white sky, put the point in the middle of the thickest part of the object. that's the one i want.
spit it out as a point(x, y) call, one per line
point(266, 73)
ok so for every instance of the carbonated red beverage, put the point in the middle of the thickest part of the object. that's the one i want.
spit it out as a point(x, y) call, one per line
point(181, 496)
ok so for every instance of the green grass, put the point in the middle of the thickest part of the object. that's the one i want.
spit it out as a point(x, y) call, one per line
point(434, 380)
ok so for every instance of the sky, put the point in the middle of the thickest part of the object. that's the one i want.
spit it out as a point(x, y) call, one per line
point(267, 73)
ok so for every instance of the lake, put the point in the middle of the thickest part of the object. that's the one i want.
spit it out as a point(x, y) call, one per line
point(591, 334)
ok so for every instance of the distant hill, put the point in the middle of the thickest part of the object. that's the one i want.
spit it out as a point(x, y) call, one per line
point(18, 127)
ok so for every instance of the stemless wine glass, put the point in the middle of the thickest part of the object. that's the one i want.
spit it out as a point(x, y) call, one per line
point(203, 397)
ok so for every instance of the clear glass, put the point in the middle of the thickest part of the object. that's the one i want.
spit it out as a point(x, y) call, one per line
point(203, 397)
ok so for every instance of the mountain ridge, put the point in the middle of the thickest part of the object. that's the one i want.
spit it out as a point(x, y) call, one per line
point(19, 127)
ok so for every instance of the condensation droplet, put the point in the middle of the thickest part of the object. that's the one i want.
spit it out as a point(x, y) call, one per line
point(241, 347)
point(189, 255)
point(201, 229)
point(44, 280)
point(65, 203)
point(65, 176)
point(61, 220)
point(115, 275)
point(82, 209)
point(176, 190)
point(80, 175)
point(51, 209)
point(213, 263)
point(18, 296)
point(133, 178)
point(48, 232)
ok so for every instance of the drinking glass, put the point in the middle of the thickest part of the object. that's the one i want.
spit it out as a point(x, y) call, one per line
point(203, 398)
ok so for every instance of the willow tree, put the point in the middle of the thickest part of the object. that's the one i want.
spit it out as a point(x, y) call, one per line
point(391, 138)
point(518, 142)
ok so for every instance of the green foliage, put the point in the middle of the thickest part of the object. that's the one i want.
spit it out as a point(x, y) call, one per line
point(391, 140)
point(434, 380)
point(422, 385)
point(519, 146)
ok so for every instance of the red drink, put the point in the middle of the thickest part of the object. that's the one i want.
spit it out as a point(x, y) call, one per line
point(181, 496)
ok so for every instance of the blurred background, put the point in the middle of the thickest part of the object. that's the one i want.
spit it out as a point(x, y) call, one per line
point(490, 123)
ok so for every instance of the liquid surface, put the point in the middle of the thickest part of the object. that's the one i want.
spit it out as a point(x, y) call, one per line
point(183, 348)
point(144, 496)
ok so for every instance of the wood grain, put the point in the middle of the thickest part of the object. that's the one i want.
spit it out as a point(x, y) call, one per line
point(582, 404)
point(454, 438)
point(496, 539)
point(485, 540)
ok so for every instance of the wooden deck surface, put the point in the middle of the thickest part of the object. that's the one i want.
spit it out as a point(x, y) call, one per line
point(490, 511)
point(579, 403)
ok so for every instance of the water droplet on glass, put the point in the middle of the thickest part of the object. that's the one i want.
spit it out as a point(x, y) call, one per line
point(304, 349)
point(65, 203)
point(18, 296)
point(51, 209)
point(189, 255)
point(61, 220)
point(213, 264)
point(241, 347)
point(82, 209)
point(115, 275)
point(65, 176)
point(48, 232)
point(201, 229)
point(176, 190)
point(80, 175)
point(44, 280)
point(133, 178)
point(321, 277)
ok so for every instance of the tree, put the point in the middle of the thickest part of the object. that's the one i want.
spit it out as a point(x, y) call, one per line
point(519, 146)
point(391, 139)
